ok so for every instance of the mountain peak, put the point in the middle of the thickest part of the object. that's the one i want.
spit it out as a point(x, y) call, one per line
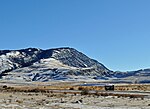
point(54, 62)
point(60, 48)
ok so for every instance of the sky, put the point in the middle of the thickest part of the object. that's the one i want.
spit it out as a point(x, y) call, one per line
point(114, 32)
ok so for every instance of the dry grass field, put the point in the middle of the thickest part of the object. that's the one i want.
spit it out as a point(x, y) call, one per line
point(73, 86)
point(31, 100)
point(69, 95)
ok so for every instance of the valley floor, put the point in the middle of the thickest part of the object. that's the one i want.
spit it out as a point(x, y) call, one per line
point(32, 96)
point(22, 100)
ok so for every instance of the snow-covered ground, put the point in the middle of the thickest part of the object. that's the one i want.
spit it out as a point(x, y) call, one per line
point(21, 100)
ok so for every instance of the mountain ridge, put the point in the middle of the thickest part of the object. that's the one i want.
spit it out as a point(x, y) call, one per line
point(68, 60)
point(64, 63)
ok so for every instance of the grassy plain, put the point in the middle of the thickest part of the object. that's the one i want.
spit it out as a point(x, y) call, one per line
point(70, 95)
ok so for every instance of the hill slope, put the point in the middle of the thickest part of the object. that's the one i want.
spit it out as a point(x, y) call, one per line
point(34, 64)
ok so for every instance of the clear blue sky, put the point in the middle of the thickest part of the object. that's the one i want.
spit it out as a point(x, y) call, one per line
point(114, 32)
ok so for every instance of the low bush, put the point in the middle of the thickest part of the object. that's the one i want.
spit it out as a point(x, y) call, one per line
point(84, 92)
point(71, 88)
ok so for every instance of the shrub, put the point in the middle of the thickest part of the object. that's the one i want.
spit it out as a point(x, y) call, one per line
point(4, 86)
point(80, 88)
point(96, 93)
point(19, 101)
point(84, 92)
point(71, 88)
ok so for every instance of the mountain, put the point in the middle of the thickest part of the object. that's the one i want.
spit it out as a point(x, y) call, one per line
point(139, 76)
point(34, 64)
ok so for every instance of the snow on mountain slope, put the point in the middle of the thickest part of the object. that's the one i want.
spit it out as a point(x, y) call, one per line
point(66, 63)
point(139, 76)
point(53, 64)
point(10, 60)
